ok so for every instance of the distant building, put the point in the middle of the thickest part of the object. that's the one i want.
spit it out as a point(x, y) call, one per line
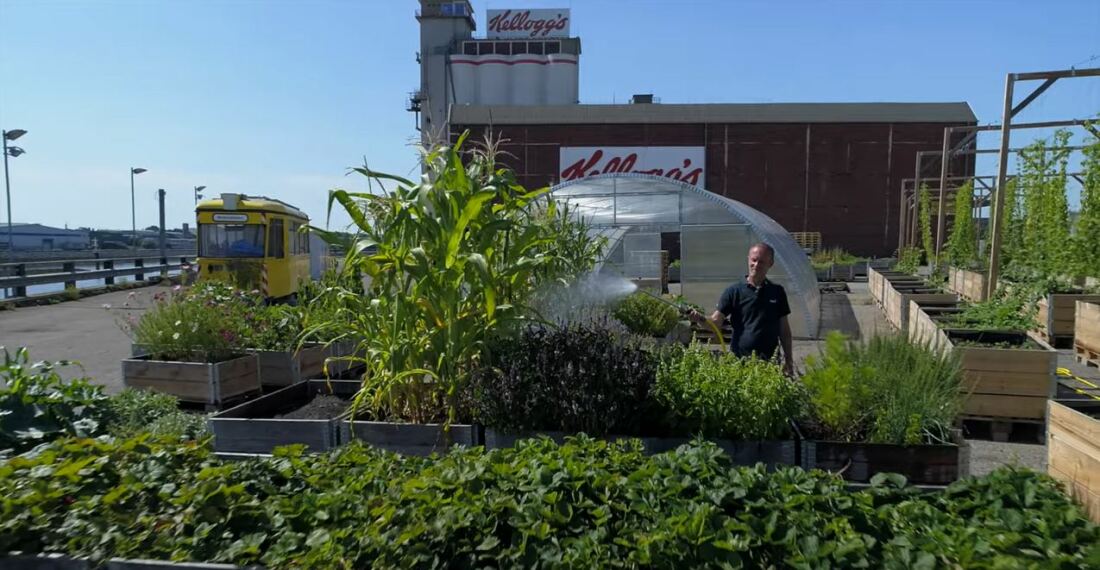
point(27, 237)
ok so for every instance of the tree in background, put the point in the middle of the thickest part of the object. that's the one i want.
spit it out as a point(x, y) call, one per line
point(1086, 239)
point(961, 247)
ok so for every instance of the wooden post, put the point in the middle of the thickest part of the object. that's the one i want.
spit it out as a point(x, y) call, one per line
point(109, 264)
point(944, 159)
point(999, 191)
point(139, 262)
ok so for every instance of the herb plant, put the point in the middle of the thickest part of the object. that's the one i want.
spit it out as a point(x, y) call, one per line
point(645, 315)
point(825, 258)
point(908, 260)
point(887, 390)
point(1007, 312)
point(723, 396)
point(575, 378)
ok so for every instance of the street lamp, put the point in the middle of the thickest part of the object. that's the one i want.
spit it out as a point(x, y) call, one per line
point(13, 152)
point(133, 209)
point(197, 195)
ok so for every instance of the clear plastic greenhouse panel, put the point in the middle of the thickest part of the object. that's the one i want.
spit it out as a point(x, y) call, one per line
point(634, 210)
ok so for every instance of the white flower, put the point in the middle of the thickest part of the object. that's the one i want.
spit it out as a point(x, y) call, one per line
point(175, 336)
point(178, 323)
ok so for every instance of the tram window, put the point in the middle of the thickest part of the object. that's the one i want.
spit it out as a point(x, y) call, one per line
point(275, 245)
point(231, 240)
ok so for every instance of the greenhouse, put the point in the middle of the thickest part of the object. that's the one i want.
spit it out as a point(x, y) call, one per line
point(642, 214)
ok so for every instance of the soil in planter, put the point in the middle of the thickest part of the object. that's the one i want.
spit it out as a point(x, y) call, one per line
point(992, 339)
point(322, 407)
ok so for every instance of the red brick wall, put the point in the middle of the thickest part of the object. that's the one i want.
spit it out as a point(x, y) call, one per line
point(848, 189)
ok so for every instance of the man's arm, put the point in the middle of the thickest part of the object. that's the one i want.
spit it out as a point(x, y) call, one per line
point(717, 318)
point(785, 340)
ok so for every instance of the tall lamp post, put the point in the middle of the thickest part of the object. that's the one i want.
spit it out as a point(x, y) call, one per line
point(133, 208)
point(197, 195)
point(13, 152)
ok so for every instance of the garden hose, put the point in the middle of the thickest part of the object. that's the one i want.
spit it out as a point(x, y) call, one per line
point(685, 310)
point(1065, 372)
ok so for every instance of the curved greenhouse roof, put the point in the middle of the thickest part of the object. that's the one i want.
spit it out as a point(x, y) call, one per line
point(642, 214)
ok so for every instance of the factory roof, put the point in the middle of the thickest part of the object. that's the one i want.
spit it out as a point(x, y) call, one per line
point(39, 230)
point(959, 112)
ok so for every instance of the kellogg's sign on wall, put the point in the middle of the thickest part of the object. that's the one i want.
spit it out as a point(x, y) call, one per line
point(683, 163)
point(528, 24)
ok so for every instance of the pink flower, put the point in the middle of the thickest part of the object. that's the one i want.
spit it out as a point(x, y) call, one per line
point(176, 288)
point(228, 335)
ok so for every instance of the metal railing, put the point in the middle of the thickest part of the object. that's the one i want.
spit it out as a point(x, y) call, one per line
point(22, 275)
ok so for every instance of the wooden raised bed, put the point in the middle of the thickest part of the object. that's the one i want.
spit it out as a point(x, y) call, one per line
point(1056, 316)
point(898, 294)
point(771, 453)
point(1086, 332)
point(970, 285)
point(1073, 450)
point(1012, 383)
point(921, 464)
point(920, 325)
point(211, 384)
point(253, 427)
point(285, 367)
point(407, 439)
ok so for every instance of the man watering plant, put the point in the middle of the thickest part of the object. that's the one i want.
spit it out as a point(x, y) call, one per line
point(757, 310)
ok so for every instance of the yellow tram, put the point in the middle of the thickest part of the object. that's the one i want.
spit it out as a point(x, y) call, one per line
point(254, 242)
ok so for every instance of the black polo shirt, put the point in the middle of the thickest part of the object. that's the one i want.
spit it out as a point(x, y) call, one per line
point(754, 314)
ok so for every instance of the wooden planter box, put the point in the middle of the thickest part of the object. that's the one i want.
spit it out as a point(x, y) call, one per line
point(898, 295)
point(339, 368)
point(876, 281)
point(1056, 316)
point(1086, 332)
point(407, 439)
point(842, 272)
point(253, 428)
point(920, 464)
point(1073, 450)
point(921, 325)
point(771, 453)
point(16, 561)
point(1005, 383)
point(822, 273)
point(211, 384)
point(280, 368)
point(970, 285)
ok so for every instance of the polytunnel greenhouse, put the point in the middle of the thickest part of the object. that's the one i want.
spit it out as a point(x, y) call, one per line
point(641, 215)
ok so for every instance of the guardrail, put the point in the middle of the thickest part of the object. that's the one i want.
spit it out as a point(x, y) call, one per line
point(69, 274)
point(29, 256)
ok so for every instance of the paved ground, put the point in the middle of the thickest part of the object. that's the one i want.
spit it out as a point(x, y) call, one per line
point(84, 331)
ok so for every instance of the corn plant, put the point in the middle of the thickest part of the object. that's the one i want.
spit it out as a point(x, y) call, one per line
point(446, 263)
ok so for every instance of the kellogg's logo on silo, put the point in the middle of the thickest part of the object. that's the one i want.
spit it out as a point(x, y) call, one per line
point(684, 163)
point(521, 24)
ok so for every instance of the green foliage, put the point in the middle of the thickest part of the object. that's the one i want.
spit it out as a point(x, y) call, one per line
point(37, 405)
point(206, 323)
point(575, 378)
point(455, 259)
point(133, 412)
point(1086, 237)
point(962, 248)
point(925, 220)
point(722, 396)
point(645, 315)
point(824, 258)
point(908, 260)
point(1043, 216)
point(273, 327)
point(1005, 312)
point(888, 390)
point(586, 504)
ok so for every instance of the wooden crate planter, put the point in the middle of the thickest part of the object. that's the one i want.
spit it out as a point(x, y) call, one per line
point(253, 427)
point(1073, 450)
point(340, 348)
point(921, 326)
point(920, 464)
point(771, 453)
point(970, 285)
point(211, 384)
point(896, 299)
point(280, 368)
point(876, 281)
point(1086, 332)
point(407, 439)
point(842, 272)
point(1056, 316)
point(1005, 383)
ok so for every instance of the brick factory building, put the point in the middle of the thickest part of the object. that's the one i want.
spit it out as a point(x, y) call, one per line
point(833, 168)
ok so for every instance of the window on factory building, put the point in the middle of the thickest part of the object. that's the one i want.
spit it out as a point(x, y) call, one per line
point(535, 48)
point(553, 47)
point(469, 48)
point(502, 48)
point(519, 48)
point(484, 48)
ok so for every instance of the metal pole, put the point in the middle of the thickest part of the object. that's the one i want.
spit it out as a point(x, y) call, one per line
point(999, 190)
point(133, 213)
point(163, 255)
point(944, 158)
point(7, 191)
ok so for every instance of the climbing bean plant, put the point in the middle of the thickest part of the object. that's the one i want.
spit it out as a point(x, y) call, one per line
point(1042, 181)
point(1086, 238)
point(962, 250)
point(925, 219)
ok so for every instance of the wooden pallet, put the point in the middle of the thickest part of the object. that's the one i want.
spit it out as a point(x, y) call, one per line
point(1057, 341)
point(1086, 356)
point(1018, 430)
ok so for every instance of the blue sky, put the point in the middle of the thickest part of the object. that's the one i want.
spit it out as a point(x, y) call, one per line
point(281, 97)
